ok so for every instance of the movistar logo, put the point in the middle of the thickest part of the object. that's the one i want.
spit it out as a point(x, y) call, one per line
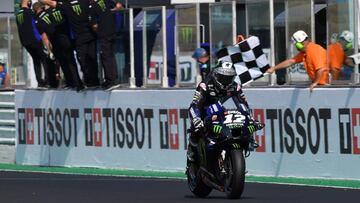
point(46, 19)
point(102, 5)
point(76, 9)
point(20, 18)
point(57, 15)
point(186, 34)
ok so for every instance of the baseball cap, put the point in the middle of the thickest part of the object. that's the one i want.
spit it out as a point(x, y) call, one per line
point(199, 52)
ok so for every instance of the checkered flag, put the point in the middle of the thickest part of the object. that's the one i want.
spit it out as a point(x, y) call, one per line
point(248, 58)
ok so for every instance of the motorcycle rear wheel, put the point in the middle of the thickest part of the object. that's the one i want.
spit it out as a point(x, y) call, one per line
point(195, 183)
point(235, 176)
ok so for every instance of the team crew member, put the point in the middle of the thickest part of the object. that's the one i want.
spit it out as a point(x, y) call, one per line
point(103, 23)
point(313, 56)
point(338, 55)
point(31, 40)
point(77, 12)
point(41, 22)
point(55, 34)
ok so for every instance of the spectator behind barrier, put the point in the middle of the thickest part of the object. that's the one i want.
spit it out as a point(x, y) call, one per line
point(313, 56)
point(4, 76)
point(202, 56)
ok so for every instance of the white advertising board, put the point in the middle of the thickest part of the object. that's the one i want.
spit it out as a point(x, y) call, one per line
point(187, 70)
point(307, 134)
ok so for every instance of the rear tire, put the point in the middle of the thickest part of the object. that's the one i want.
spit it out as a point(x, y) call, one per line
point(195, 183)
point(235, 177)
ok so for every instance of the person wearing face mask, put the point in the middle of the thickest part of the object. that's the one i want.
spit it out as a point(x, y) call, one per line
point(313, 56)
point(202, 56)
point(339, 64)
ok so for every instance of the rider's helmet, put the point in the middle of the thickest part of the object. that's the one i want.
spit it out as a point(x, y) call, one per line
point(224, 75)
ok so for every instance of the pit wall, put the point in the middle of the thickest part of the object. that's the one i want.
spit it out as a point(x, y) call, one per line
point(306, 135)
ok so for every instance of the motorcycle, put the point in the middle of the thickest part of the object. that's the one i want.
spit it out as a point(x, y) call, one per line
point(220, 162)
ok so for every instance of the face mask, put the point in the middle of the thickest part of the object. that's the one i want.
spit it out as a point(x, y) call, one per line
point(203, 66)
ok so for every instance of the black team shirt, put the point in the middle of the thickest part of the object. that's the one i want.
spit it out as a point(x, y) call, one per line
point(77, 12)
point(100, 13)
point(28, 33)
point(53, 22)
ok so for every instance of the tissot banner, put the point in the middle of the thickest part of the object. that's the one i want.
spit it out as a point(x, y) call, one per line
point(307, 134)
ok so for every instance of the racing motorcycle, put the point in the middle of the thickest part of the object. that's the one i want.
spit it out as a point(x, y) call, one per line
point(220, 160)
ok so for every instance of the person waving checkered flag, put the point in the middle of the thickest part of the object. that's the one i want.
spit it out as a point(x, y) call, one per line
point(248, 59)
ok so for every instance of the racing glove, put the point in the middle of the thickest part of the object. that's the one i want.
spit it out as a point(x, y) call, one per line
point(198, 124)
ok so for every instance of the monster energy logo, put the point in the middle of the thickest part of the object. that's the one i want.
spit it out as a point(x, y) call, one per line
point(187, 34)
point(102, 5)
point(251, 129)
point(57, 15)
point(217, 129)
point(46, 19)
point(236, 146)
point(76, 9)
point(20, 18)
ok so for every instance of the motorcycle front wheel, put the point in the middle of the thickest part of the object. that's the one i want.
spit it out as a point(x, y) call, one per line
point(195, 183)
point(235, 174)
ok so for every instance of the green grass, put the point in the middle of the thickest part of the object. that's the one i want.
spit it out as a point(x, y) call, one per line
point(178, 175)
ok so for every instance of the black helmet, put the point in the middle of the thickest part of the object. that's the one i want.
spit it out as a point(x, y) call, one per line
point(224, 75)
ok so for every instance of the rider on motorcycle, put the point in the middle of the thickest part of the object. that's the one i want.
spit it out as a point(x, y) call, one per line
point(214, 90)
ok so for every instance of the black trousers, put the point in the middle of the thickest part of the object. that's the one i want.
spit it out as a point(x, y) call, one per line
point(108, 59)
point(39, 57)
point(87, 57)
point(52, 70)
point(64, 52)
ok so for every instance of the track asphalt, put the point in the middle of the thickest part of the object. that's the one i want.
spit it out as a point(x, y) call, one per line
point(29, 187)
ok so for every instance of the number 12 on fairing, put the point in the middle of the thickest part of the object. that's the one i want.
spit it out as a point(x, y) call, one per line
point(234, 118)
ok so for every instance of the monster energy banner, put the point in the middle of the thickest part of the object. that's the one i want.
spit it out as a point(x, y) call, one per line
point(187, 35)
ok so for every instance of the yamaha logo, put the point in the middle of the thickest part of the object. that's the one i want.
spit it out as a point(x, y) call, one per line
point(227, 65)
